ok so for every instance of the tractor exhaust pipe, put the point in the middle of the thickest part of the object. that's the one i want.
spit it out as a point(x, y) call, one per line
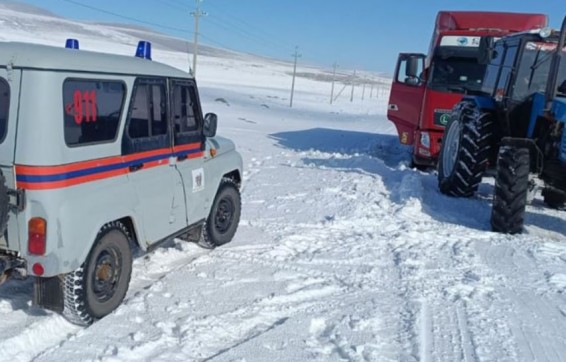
point(551, 91)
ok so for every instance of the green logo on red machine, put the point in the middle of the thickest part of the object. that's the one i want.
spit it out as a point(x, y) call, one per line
point(441, 117)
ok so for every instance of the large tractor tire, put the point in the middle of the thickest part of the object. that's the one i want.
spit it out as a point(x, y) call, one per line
point(98, 287)
point(511, 189)
point(553, 199)
point(466, 146)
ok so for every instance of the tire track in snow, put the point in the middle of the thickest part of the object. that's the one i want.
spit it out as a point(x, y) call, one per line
point(535, 317)
point(44, 332)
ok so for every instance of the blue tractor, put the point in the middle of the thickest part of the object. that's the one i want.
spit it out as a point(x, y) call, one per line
point(515, 123)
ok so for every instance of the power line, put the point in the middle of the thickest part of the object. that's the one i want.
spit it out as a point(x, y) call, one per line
point(212, 41)
point(141, 21)
point(179, 3)
point(242, 33)
point(128, 17)
point(258, 30)
point(172, 5)
point(179, 6)
point(253, 36)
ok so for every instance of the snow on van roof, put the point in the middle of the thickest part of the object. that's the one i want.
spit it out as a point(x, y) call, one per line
point(36, 56)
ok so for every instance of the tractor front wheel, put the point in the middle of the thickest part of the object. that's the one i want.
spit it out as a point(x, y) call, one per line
point(511, 189)
point(466, 146)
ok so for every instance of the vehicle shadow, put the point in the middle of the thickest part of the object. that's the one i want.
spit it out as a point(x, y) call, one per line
point(19, 294)
point(382, 155)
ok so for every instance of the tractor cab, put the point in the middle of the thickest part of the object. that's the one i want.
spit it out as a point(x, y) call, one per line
point(516, 123)
point(519, 68)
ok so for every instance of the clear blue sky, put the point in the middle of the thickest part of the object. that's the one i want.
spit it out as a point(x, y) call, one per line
point(363, 34)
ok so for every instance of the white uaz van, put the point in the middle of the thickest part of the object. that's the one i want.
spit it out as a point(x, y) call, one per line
point(99, 152)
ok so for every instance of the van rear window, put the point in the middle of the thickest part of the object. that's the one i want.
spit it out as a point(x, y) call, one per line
point(92, 110)
point(4, 108)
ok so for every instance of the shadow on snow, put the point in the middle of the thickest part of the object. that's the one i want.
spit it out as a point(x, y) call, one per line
point(383, 156)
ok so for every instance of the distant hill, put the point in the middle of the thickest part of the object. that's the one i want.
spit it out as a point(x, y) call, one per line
point(28, 23)
point(36, 23)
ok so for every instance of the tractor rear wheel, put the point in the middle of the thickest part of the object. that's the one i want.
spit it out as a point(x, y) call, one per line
point(511, 189)
point(465, 151)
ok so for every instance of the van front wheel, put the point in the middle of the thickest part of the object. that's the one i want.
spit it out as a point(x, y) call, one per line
point(98, 287)
point(222, 222)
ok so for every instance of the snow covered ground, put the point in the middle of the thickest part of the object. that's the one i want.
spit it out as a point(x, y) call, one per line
point(343, 253)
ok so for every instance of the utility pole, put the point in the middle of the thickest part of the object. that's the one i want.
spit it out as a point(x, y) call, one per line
point(296, 55)
point(364, 91)
point(333, 80)
point(353, 79)
point(197, 14)
point(371, 91)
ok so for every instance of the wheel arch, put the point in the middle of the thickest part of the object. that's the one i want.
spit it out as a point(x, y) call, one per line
point(73, 260)
point(234, 176)
point(132, 229)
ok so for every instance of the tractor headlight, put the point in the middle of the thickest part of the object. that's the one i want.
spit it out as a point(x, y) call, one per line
point(545, 32)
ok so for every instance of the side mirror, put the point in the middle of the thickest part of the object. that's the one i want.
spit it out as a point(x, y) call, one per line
point(412, 67)
point(486, 52)
point(210, 125)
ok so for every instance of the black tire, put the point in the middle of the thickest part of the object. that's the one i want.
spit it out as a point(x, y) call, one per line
point(553, 199)
point(99, 286)
point(511, 188)
point(466, 146)
point(222, 222)
point(4, 204)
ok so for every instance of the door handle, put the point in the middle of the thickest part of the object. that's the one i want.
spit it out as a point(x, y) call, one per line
point(134, 168)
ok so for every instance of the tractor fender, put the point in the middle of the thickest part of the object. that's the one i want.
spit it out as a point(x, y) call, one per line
point(482, 102)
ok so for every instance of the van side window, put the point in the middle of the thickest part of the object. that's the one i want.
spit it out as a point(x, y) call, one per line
point(147, 125)
point(186, 113)
point(149, 112)
point(92, 110)
point(4, 108)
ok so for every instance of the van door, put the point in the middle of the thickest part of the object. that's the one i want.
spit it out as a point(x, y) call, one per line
point(9, 101)
point(407, 94)
point(188, 145)
point(146, 146)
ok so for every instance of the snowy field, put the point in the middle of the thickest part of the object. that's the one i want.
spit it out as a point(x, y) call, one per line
point(343, 253)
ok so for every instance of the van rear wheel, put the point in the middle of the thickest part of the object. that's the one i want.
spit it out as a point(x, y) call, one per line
point(98, 287)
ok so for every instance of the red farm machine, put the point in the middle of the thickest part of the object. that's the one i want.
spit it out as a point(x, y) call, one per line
point(425, 88)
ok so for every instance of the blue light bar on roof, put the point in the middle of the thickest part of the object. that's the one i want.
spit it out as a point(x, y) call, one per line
point(144, 50)
point(72, 44)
